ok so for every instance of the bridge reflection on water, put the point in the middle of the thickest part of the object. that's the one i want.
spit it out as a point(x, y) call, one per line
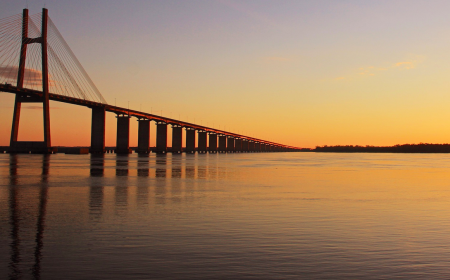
point(20, 215)
point(173, 178)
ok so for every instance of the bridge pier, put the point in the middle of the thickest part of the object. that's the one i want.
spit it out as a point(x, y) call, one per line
point(230, 144)
point(212, 143)
point(177, 139)
point(190, 140)
point(238, 145)
point(98, 130)
point(251, 146)
point(143, 136)
point(222, 143)
point(123, 134)
point(257, 147)
point(161, 137)
point(202, 140)
point(245, 145)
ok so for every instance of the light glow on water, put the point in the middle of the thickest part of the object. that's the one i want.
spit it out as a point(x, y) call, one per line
point(225, 216)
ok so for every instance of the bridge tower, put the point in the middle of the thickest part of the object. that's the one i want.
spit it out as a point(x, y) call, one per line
point(35, 146)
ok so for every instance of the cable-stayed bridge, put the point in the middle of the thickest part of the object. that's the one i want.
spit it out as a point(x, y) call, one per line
point(37, 65)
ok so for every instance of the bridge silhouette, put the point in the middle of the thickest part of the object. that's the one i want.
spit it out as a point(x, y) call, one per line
point(37, 65)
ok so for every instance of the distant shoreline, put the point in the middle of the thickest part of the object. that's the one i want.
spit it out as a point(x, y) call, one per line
point(404, 148)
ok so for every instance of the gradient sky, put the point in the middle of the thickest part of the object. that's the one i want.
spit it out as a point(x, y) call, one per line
point(302, 73)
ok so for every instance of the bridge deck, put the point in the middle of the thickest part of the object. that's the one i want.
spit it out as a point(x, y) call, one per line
point(131, 113)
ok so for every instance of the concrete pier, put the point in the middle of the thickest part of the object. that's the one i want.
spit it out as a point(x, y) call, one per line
point(230, 144)
point(123, 134)
point(161, 137)
point(222, 143)
point(238, 145)
point(202, 141)
point(190, 140)
point(251, 146)
point(98, 130)
point(143, 136)
point(245, 143)
point(212, 143)
point(257, 147)
point(177, 139)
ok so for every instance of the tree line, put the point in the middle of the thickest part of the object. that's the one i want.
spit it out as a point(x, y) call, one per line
point(405, 148)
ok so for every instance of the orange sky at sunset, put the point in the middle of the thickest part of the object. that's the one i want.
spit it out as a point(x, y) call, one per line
point(301, 73)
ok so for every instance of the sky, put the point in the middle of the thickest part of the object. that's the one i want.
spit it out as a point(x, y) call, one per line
point(301, 73)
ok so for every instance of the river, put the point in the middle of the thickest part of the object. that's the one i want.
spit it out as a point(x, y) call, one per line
point(225, 216)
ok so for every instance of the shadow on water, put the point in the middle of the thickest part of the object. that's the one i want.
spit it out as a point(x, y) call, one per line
point(122, 165)
point(97, 165)
point(176, 166)
point(142, 193)
point(176, 182)
point(161, 166)
point(15, 218)
point(202, 172)
point(190, 166)
point(96, 189)
point(143, 168)
point(142, 182)
point(43, 196)
point(170, 172)
point(121, 189)
point(161, 176)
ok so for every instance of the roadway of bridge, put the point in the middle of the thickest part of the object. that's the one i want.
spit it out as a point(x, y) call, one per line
point(132, 113)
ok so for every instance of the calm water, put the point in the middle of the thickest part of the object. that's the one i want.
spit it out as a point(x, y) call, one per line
point(227, 216)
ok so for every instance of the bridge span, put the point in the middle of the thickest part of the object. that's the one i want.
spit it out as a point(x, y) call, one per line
point(219, 140)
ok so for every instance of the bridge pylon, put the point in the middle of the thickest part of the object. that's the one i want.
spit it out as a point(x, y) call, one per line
point(32, 146)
